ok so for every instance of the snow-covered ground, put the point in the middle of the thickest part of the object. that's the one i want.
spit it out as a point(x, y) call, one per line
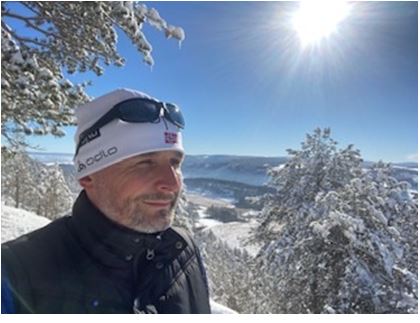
point(204, 220)
point(16, 222)
point(235, 234)
point(217, 308)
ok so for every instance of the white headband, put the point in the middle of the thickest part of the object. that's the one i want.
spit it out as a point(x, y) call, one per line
point(119, 140)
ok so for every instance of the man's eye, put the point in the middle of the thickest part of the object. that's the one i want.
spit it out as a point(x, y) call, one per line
point(176, 163)
point(146, 162)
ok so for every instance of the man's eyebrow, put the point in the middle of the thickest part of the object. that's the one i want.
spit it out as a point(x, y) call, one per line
point(179, 154)
point(146, 155)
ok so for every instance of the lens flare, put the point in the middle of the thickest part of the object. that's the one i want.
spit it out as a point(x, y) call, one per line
point(316, 20)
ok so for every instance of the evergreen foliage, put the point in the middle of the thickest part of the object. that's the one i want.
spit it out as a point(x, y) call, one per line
point(32, 186)
point(338, 239)
point(41, 40)
point(184, 215)
point(228, 272)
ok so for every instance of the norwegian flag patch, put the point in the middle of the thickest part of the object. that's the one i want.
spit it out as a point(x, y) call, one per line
point(171, 137)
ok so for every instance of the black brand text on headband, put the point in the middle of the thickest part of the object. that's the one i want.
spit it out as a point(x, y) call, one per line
point(135, 110)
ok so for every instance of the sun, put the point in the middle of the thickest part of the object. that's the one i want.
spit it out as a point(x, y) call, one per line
point(315, 20)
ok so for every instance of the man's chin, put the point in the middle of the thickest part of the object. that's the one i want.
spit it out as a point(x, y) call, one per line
point(154, 229)
point(163, 220)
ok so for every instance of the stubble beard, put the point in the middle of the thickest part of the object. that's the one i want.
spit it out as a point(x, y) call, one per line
point(132, 212)
point(142, 219)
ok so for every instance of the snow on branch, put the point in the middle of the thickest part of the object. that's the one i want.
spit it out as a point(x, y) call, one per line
point(63, 37)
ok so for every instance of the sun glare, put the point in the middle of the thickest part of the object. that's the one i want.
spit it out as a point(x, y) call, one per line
point(315, 20)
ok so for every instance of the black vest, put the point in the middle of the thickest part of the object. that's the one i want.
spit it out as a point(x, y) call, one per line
point(85, 263)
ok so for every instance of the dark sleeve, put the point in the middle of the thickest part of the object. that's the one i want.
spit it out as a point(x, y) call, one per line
point(15, 286)
point(7, 301)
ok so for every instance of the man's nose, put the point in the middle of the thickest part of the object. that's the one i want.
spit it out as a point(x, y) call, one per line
point(169, 179)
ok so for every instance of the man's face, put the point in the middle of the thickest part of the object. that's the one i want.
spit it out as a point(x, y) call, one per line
point(140, 192)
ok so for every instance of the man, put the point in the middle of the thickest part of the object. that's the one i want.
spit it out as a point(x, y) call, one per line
point(117, 253)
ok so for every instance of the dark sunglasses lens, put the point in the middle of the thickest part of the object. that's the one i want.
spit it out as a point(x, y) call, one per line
point(139, 111)
point(175, 115)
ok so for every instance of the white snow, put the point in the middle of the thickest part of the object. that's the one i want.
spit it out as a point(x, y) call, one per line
point(209, 222)
point(217, 308)
point(204, 220)
point(16, 222)
point(17, 58)
point(235, 234)
point(277, 168)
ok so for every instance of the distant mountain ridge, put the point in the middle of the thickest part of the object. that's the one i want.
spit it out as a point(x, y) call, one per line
point(249, 170)
point(48, 158)
point(244, 169)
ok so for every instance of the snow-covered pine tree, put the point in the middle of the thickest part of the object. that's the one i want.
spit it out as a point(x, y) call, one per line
point(56, 198)
point(318, 167)
point(339, 239)
point(32, 186)
point(226, 267)
point(229, 272)
point(184, 215)
point(19, 188)
point(373, 222)
point(41, 40)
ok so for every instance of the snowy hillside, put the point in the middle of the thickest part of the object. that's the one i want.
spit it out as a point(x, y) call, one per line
point(16, 222)
point(408, 174)
point(235, 234)
point(249, 170)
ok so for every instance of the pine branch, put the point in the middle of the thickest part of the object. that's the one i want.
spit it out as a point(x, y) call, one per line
point(28, 23)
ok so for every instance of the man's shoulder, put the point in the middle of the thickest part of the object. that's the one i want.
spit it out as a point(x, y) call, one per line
point(182, 232)
point(36, 253)
point(30, 261)
point(45, 236)
point(187, 237)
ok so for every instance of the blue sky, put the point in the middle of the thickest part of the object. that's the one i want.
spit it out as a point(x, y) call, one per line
point(247, 87)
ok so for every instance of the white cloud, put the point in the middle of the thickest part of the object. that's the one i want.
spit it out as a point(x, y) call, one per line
point(412, 157)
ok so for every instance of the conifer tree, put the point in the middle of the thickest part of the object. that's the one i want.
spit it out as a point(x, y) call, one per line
point(43, 40)
point(56, 198)
point(339, 238)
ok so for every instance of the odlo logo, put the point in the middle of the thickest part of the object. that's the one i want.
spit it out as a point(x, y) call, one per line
point(97, 157)
point(80, 166)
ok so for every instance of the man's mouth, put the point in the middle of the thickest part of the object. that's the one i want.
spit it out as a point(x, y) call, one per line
point(158, 203)
point(159, 200)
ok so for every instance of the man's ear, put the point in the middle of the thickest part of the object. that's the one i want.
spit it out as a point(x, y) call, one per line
point(86, 182)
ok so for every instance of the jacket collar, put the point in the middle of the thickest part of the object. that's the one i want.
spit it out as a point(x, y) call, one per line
point(108, 242)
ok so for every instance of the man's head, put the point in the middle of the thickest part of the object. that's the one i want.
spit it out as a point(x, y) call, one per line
point(128, 158)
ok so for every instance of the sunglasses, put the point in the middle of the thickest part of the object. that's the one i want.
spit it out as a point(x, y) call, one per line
point(136, 110)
